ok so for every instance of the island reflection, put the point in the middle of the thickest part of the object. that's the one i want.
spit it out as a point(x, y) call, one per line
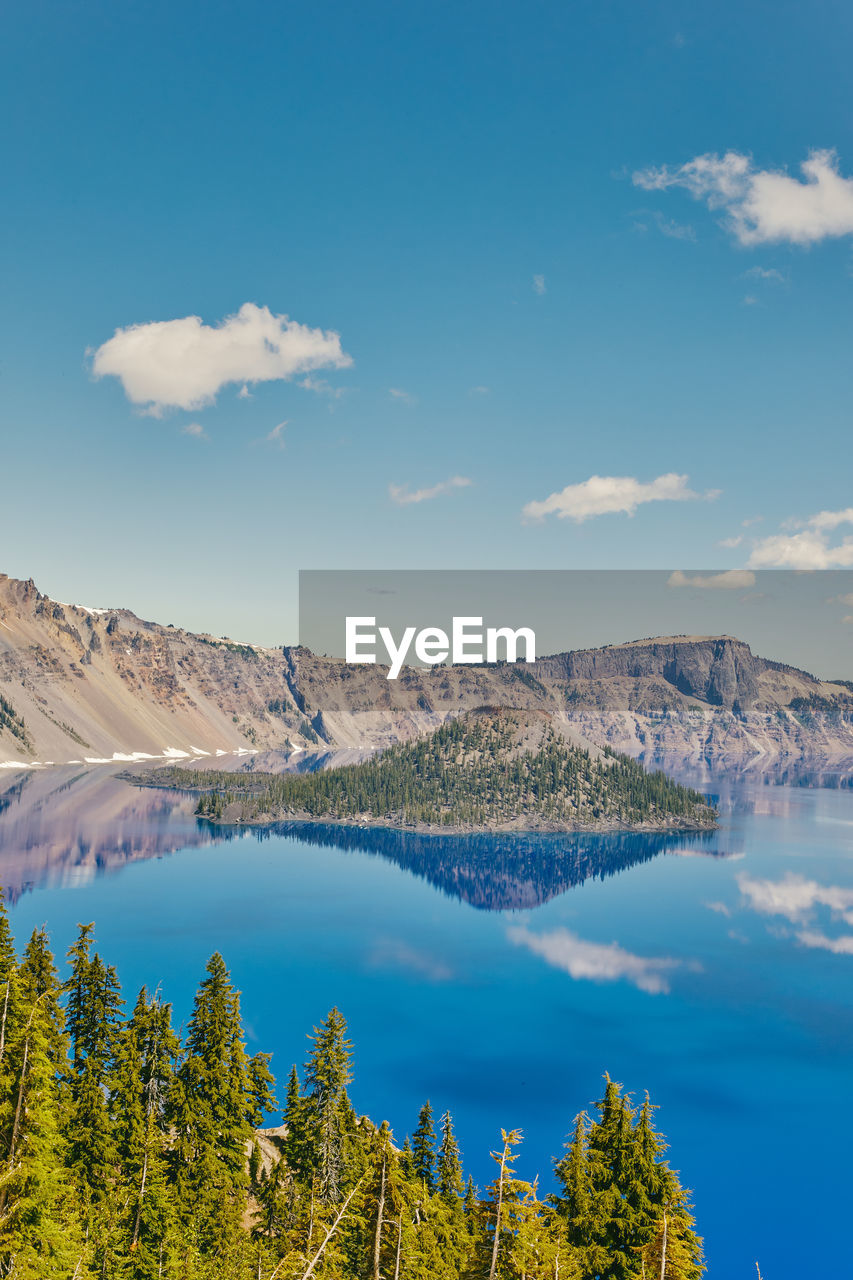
point(63, 827)
point(501, 872)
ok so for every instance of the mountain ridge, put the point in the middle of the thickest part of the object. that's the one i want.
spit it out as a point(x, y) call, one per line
point(83, 685)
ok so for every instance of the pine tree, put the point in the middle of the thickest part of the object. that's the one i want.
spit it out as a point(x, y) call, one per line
point(38, 980)
point(146, 1053)
point(423, 1148)
point(77, 1008)
point(37, 1232)
point(9, 981)
point(328, 1072)
point(211, 1106)
point(449, 1181)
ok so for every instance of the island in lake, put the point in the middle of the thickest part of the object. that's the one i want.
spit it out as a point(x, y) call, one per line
point(492, 769)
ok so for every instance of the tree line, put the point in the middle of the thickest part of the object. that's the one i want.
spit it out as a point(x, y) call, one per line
point(131, 1151)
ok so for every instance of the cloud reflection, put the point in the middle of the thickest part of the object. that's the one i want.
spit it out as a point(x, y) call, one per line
point(596, 961)
point(795, 898)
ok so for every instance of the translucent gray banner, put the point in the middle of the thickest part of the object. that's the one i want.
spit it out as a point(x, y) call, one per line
point(804, 619)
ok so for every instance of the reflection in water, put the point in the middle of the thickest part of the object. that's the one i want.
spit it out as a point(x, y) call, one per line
point(64, 826)
point(501, 872)
point(597, 961)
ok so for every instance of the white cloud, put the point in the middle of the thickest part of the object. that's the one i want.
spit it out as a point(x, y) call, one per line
point(596, 961)
point(603, 495)
point(194, 429)
point(795, 898)
point(671, 229)
point(842, 946)
point(539, 285)
point(730, 580)
point(720, 908)
point(765, 273)
point(810, 548)
point(396, 393)
point(731, 542)
point(322, 387)
point(184, 363)
point(276, 436)
point(764, 206)
point(396, 954)
point(479, 391)
point(244, 393)
point(831, 519)
point(404, 496)
point(750, 300)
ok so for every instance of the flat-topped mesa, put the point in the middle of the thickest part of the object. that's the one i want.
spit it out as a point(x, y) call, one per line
point(720, 670)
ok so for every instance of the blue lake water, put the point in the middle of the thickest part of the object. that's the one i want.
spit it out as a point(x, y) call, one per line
point(502, 977)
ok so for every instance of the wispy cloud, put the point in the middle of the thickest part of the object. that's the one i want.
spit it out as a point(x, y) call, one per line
point(643, 219)
point(184, 363)
point(764, 206)
point(322, 387)
point(396, 954)
point(720, 907)
point(604, 495)
point(841, 946)
point(765, 273)
point(276, 436)
point(404, 496)
point(673, 229)
point(194, 429)
point(596, 961)
point(731, 543)
point(479, 391)
point(730, 580)
point(811, 547)
point(539, 285)
point(397, 393)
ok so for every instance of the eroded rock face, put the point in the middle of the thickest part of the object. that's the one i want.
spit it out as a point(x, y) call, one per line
point(719, 670)
point(86, 684)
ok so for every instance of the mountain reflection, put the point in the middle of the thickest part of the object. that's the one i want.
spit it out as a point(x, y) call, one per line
point(500, 872)
point(65, 826)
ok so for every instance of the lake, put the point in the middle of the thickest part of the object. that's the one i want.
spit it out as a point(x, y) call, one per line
point(501, 977)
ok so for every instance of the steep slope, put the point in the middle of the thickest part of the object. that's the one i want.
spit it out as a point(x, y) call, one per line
point(81, 685)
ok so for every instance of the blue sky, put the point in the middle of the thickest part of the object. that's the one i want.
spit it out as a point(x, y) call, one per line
point(498, 210)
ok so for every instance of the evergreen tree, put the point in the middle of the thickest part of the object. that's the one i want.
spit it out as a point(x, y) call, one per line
point(38, 980)
point(146, 1054)
point(328, 1072)
point(37, 1231)
point(423, 1148)
point(449, 1179)
point(211, 1106)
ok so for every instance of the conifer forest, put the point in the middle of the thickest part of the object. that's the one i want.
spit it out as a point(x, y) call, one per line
point(130, 1151)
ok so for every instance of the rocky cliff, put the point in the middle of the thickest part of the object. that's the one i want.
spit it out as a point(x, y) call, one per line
point(83, 685)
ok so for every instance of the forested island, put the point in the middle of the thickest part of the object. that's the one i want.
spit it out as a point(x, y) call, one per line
point(133, 1152)
point(493, 769)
